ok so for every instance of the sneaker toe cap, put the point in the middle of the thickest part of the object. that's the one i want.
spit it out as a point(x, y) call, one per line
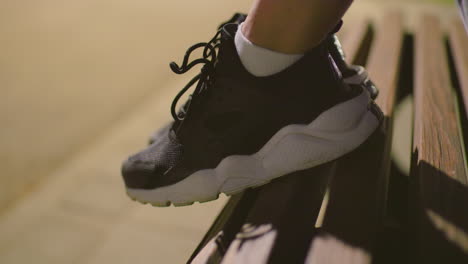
point(147, 168)
point(138, 173)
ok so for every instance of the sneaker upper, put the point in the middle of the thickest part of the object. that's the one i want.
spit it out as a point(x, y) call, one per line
point(235, 113)
point(352, 74)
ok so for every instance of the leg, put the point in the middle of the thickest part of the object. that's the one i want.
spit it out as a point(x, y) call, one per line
point(292, 26)
point(278, 32)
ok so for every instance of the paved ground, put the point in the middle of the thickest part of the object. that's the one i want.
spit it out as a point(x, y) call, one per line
point(83, 83)
point(69, 69)
point(81, 215)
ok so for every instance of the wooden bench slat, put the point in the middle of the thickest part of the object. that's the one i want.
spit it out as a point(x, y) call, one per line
point(384, 59)
point(223, 230)
point(459, 45)
point(358, 191)
point(284, 212)
point(439, 215)
point(355, 39)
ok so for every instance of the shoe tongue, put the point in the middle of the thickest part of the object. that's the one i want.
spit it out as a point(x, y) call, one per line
point(229, 31)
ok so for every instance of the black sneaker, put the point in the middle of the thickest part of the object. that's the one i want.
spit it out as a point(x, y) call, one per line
point(242, 131)
point(351, 74)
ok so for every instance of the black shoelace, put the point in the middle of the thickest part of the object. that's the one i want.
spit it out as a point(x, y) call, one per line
point(206, 76)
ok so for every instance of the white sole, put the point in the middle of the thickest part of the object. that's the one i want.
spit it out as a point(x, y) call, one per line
point(332, 134)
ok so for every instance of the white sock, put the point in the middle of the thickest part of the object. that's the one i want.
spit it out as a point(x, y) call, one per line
point(261, 61)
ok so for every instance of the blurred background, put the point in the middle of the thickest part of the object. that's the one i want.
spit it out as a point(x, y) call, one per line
point(82, 85)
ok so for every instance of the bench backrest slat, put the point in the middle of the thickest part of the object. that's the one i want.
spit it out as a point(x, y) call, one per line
point(358, 190)
point(439, 212)
point(213, 245)
point(459, 46)
point(281, 220)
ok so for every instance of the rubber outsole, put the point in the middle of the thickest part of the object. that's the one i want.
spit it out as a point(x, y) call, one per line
point(168, 203)
point(331, 135)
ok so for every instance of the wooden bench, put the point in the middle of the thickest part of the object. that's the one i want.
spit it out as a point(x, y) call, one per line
point(339, 212)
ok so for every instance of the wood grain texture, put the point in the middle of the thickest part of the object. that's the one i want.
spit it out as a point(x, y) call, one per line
point(384, 60)
point(439, 218)
point(357, 201)
point(459, 46)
